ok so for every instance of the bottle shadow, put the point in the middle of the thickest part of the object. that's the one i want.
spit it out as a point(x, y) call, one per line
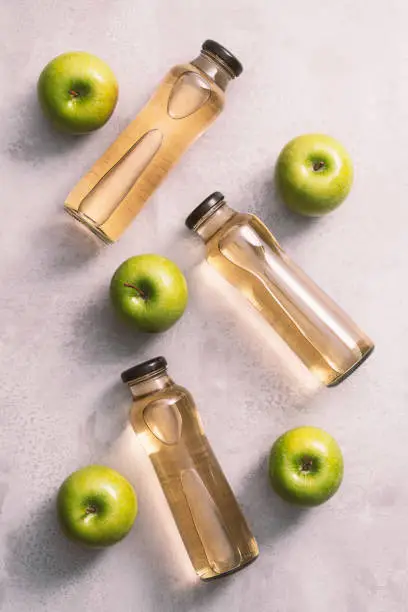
point(201, 594)
point(155, 535)
point(268, 515)
point(39, 555)
point(165, 559)
point(34, 139)
point(185, 249)
point(263, 346)
point(63, 246)
point(107, 420)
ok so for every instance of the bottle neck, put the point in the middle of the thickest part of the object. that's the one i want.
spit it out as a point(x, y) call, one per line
point(150, 384)
point(210, 225)
point(212, 67)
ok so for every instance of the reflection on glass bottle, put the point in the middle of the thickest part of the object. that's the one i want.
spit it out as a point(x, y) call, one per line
point(244, 251)
point(211, 524)
point(188, 100)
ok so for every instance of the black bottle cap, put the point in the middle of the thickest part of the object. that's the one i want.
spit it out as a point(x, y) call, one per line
point(142, 369)
point(211, 203)
point(225, 56)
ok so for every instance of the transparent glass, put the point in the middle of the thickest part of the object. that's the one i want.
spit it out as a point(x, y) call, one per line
point(323, 336)
point(114, 190)
point(210, 521)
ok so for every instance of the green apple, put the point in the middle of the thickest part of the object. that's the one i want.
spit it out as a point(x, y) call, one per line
point(149, 291)
point(314, 174)
point(306, 466)
point(77, 92)
point(96, 506)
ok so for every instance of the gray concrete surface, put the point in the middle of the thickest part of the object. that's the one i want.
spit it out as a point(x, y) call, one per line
point(335, 67)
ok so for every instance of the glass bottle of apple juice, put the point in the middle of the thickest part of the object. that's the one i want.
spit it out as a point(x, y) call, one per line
point(186, 103)
point(243, 250)
point(210, 521)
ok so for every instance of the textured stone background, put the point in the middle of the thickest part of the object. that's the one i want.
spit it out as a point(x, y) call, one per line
point(335, 67)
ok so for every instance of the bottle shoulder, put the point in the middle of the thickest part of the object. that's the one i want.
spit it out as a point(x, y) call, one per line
point(181, 392)
point(234, 229)
point(170, 393)
point(203, 80)
point(237, 220)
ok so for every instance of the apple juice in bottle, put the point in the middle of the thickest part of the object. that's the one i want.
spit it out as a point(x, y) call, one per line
point(245, 252)
point(210, 521)
point(185, 104)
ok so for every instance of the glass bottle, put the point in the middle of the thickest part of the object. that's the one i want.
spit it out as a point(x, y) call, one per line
point(245, 252)
point(210, 522)
point(185, 104)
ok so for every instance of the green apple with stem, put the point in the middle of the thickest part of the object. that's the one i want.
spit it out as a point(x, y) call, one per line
point(306, 466)
point(96, 506)
point(314, 174)
point(78, 92)
point(150, 292)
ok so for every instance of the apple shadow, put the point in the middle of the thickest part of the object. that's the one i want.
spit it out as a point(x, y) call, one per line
point(33, 138)
point(269, 206)
point(38, 554)
point(268, 515)
point(103, 336)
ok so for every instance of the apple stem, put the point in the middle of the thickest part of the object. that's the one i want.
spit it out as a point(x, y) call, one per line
point(318, 166)
point(73, 93)
point(90, 510)
point(139, 291)
point(307, 464)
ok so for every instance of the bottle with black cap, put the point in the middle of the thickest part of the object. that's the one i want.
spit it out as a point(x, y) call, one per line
point(211, 524)
point(245, 252)
point(188, 100)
